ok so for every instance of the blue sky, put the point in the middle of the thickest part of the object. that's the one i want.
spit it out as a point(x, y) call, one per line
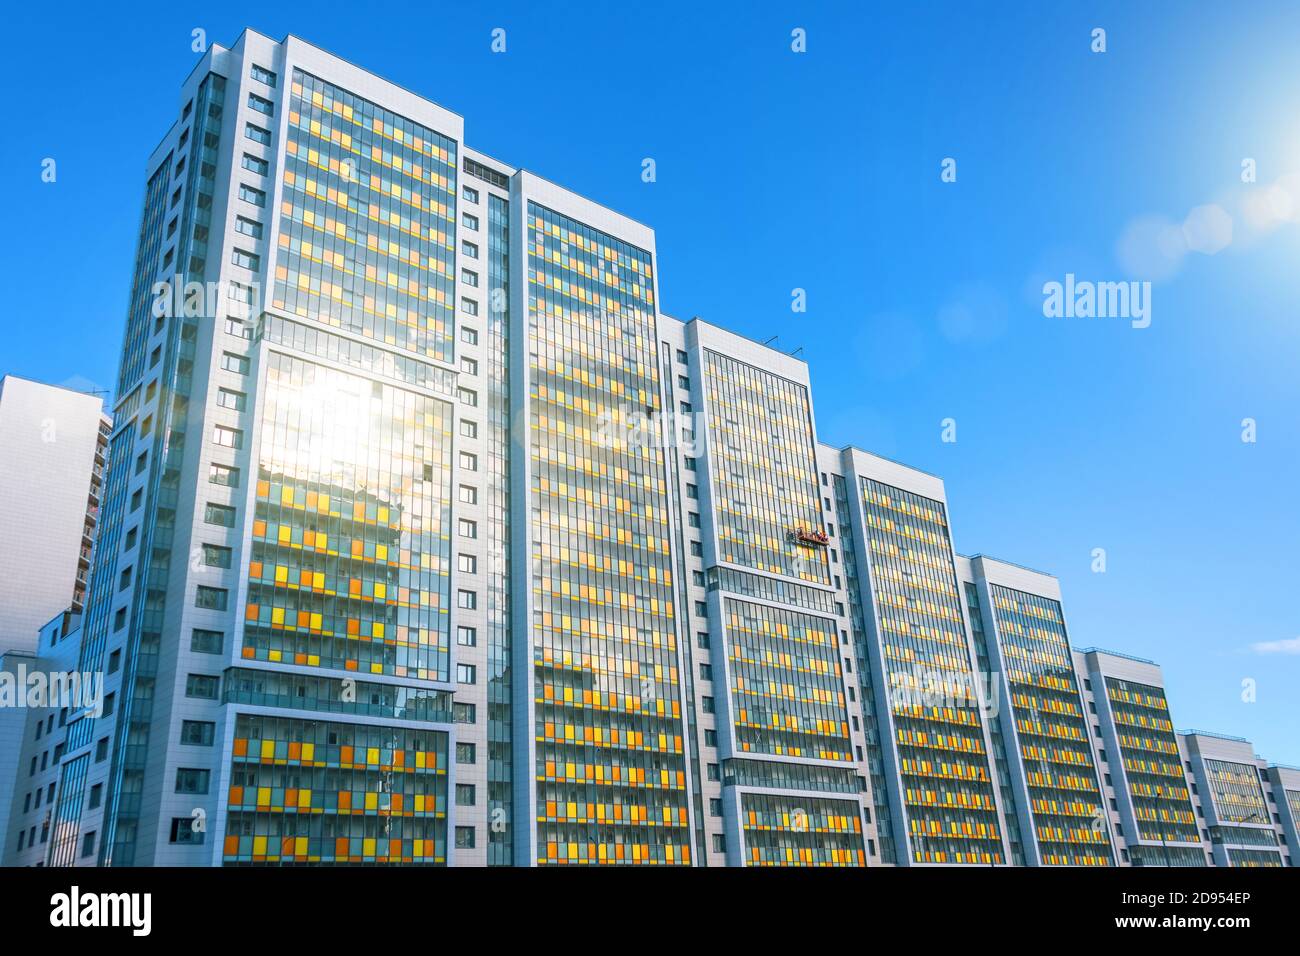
point(821, 171)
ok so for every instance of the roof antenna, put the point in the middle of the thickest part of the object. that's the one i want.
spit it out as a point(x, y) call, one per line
point(796, 351)
point(772, 339)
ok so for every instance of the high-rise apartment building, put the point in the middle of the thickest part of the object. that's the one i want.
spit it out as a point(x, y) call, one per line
point(1240, 800)
point(53, 445)
point(1147, 776)
point(430, 539)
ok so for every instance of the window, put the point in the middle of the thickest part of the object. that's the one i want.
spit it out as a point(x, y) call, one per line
point(468, 306)
point(261, 104)
point(469, 221)
point(466, 636)
point(468, 429)
point(467, 564)
point(262, 75)
point(465, 674)
point(241, 297)
point(469, 494)
point(464, 838)
point(467, 397)
point(463, 713)
point(247, 260)
point(212, 599)
point(114, 662)
point(465, 753)
point(192, 780)
point(257, 134)
point(229, 398)
point(468, 336)
point(96, 795)
point(467, 528)
point(469, 366)
point(255, 164)
point(469, 249)
point(183, 831)
point(681, 356)
point(715, 807)
point(223, 475)
point(251, 195)
point(202, 686)
point(234, 363)
point(88, 844)
point(467, 600)
point(221, 515)
point(465, 795)
point(206, 642)
point(215, 556)
point(469, 194)
point(198, 733)
point(468, 461)
point(101, 750)
point(469, 277)
point(248, 227)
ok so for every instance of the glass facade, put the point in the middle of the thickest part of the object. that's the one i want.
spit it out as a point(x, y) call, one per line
point(497, 481)
point(610, 764)
point(1064, 793)
point(148, 613)
point(350, 549)
point(800, 831)
point(1253, 858)
point(318, 792)
point(952, 813)
point(367, 221)
point(875, 760)
point(787, 689)
point(1238, 796)
point(67, 817)
point(776, 590)
point(764, 473)
point(140, 317)
point(1154, 771)
point(1002, 768)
